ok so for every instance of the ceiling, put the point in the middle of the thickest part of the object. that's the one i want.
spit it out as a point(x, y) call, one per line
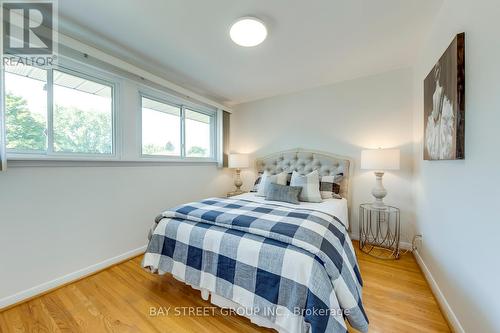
point(310, 43)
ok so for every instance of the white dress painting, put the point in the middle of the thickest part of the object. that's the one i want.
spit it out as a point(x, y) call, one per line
point(444, 106)
point(440, 127)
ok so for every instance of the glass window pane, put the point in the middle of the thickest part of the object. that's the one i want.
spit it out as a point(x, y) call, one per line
point(198, 134)
point(83, 115)
point(26, 108)
point(161, 128)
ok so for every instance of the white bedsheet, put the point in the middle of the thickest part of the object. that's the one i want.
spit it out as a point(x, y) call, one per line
point(335, 207)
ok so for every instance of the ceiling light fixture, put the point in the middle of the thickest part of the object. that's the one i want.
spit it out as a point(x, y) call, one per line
point(248, 31)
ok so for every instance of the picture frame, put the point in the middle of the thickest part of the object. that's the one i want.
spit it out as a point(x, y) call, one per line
point(444, 105)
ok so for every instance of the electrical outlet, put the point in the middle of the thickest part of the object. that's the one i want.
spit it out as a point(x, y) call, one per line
point(417, 241)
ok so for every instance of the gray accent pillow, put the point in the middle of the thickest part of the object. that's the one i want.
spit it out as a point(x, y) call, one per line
point(283, 193)
point(267, 179)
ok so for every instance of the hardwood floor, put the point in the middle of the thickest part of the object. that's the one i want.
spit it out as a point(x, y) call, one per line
point(118, 299)
point(397, 297)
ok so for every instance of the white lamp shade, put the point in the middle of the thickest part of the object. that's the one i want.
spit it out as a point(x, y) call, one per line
point(380, 159)
point(238, 161)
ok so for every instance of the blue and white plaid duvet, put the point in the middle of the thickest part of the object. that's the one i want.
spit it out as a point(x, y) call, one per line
point(295, 267)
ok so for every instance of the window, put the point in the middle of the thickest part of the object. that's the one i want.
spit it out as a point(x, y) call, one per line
point(198, 133)
point(175, 130)
point(57, 112)
point(26, 109)
point(83, 115)
point(70, 113)
point(161, 128)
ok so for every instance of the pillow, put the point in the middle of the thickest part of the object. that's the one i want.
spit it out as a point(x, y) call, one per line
point(283, 193)
point(267, 179)
point(329, 186)
point(310, 186)
point(256, 184)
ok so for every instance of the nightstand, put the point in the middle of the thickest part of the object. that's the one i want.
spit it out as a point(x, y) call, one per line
point(379, 231)
point(232, 194)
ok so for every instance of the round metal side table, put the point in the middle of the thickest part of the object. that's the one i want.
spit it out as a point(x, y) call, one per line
point(379, 231)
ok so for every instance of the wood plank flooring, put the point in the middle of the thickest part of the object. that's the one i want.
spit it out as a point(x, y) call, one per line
point(118, 299)
point(397, 297)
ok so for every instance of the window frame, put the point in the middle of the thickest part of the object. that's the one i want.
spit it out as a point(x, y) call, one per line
point(162, 97)
point(87, 73)
point(127, 91)
point(162, 157)
point(213, 132)
point(27, 154)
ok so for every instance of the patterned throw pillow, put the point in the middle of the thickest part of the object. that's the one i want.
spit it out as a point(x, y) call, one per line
point(284, 193)
point(310, 186)
point(329, 186)
point(257, 182)
point(267, 179)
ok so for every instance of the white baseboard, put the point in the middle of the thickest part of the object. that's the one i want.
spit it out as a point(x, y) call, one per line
point(41, 288)
point(445, 306)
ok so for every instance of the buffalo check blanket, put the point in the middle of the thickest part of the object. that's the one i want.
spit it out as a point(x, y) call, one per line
point(294, 267)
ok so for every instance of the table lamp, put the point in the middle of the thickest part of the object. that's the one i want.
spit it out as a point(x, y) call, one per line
point(238, 161)
point(380, 160)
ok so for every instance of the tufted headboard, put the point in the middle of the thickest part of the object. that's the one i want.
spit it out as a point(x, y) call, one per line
point(306, 161)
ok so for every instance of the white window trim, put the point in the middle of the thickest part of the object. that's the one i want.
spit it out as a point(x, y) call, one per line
point(162, 97)
point(86, 72)
point(121, 155)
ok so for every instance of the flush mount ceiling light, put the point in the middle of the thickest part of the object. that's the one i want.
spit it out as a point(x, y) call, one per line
point(248, 31)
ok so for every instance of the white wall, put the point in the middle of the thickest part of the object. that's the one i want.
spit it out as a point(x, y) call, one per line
point(57, 223)
point(58, 220)
point(343, 118)
point(457, 201)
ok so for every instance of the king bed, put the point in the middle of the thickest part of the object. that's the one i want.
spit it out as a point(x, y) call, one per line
point(290, 267)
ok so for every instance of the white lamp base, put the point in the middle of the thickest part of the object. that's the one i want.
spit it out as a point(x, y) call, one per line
point(379, 192)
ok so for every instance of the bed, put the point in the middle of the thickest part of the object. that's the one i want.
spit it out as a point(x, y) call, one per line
point(284, 266)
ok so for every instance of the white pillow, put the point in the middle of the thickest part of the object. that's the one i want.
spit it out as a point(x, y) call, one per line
point(310, 186)
point(267, 179)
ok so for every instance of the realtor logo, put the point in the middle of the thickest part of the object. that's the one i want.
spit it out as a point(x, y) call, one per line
point(28, 29)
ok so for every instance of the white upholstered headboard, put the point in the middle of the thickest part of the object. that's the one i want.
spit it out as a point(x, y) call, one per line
point(305, 161)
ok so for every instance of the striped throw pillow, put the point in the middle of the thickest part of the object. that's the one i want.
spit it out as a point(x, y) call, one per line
point(310, 186)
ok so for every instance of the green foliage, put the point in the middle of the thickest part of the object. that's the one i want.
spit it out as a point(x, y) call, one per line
point(80, 131)
point(152, 149)
point(25, 130)
point(196, 151)
point(169, 146)
point(75, 131)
